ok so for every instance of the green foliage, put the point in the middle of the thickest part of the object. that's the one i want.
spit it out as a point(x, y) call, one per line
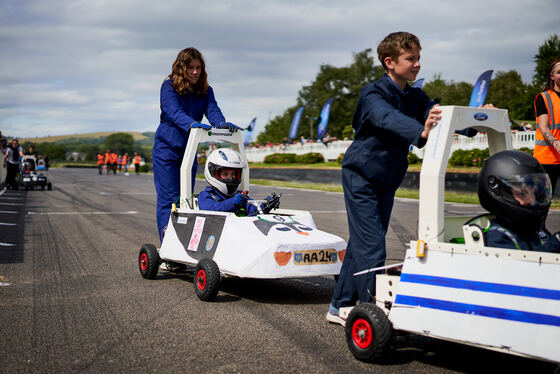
point(342, 83)
point(474, 157)
point(348, 132)
point(526, 150)
point(340, 158)
point(144, 168)
point(413, 159)
point(507, 91)
point(448, 93)
point(310, 158)
point(548, 52)
point(280, 158)
point(120, 142)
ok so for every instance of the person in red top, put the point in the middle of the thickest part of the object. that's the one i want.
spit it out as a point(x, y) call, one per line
point(100, 162)
point(114, 159)
point(137, 162)
point(547, 111)
point(108, 160)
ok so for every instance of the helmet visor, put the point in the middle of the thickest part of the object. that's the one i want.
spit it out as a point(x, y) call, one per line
point(228, 175)
point(528, 190)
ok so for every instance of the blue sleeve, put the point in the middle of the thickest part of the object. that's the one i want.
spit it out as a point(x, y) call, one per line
point(207, 202)
point(171, 106)
point(213, 112)
point(379, 113)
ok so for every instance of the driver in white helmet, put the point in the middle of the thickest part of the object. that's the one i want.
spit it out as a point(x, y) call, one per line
point(223, 171)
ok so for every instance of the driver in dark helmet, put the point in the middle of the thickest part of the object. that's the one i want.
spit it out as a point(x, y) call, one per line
point(516, 190)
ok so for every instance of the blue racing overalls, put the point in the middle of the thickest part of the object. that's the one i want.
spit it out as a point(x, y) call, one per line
point(178, 113)
point(386, 121)
point(212, 199)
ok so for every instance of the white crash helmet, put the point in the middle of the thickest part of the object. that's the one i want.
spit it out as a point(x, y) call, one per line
point(218, 160)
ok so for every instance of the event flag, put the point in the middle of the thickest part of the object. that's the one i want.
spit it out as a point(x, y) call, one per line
point(480, 89)
point(249, 133)
point(295, 123)
point(322, 128)
point(419, 83)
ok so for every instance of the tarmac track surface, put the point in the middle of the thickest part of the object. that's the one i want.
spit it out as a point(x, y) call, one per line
point(72, 298)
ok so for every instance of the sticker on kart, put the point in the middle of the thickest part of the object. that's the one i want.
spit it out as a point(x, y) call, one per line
point(282, 224)
point(310, 257)
point(198, 233)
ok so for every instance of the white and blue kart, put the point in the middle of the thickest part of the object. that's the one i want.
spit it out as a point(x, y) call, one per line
point(454, 287)
point(282, 244)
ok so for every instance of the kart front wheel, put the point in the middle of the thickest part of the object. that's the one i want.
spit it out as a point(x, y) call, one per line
point(368, 332)
point(206, 279)
point(148, 261)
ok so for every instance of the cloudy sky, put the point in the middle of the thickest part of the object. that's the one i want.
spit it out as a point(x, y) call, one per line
point(69, 67)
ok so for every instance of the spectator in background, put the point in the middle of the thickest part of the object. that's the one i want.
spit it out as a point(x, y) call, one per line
point(47, 162)
point(547, 112)
point(12, 160)
point(137, 163)
point(31, 152)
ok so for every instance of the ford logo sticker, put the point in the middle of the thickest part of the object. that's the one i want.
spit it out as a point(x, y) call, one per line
point(480, 116)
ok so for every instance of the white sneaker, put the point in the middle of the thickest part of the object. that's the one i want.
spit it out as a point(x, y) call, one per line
point(338, 315)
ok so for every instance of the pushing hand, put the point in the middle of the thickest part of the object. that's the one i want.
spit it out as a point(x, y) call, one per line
point(230, 126)
point(203, 126)
point(433, 118)
point(240, 199)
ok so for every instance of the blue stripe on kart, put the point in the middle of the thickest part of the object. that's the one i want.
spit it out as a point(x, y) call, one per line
point(500, 288)
point(479, 310)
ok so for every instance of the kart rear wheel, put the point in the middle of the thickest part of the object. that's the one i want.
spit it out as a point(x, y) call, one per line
point(206, 279)
point(49, 186)
point(368, 332)
point(148, 261)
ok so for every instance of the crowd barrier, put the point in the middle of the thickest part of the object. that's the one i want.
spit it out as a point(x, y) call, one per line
point(331, 151)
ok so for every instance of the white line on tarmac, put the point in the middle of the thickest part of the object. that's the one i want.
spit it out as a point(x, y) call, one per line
point(11, 198)
point(127, 193)
point(327, 211)
point(11, 204)
point(6, 244)
point(7, 224)
point(8, 212)
point(82, 213)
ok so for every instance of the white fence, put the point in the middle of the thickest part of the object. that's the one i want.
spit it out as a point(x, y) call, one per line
point(332, 150)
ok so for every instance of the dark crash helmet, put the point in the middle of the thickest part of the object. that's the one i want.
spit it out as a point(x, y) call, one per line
point(514, 187)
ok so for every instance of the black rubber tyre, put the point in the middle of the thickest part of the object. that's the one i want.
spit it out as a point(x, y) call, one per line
point(49, 186)
point(148, 261)
point(368, 332)
point(206, 280)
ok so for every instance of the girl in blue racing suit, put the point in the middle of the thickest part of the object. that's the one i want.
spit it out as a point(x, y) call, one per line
point(184, 99)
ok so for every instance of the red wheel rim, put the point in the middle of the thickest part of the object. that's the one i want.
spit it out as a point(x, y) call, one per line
point(143, 261)
point(201, 279)
point(362, 333)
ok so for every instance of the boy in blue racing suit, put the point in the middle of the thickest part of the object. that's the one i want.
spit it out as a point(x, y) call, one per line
point(223, 171)
point(515, 188)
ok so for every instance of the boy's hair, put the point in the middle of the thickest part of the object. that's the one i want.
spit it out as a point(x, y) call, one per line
point(393, 43)
point(179, 77)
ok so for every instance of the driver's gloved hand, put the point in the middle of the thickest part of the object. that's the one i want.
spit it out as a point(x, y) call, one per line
point(273, 202)
point(240, 199)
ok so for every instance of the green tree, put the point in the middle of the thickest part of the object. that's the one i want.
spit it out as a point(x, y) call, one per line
point(548, 52)
point(507, 91)
point(342, 83)
point(448, 93)
point(119, 142)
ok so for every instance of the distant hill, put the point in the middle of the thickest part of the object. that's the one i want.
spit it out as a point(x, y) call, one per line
point(138, 136)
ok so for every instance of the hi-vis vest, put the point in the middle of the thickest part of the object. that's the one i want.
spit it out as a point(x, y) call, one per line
point(100, 159)
point(545, 153)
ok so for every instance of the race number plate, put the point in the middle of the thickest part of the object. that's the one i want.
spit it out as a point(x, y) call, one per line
point(315, 257)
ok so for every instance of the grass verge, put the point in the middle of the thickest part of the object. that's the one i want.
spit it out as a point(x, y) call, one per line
point(451, 197)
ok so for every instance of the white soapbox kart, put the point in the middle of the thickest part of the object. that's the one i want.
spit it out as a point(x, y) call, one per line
point(451, 285)
point(282, 244)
